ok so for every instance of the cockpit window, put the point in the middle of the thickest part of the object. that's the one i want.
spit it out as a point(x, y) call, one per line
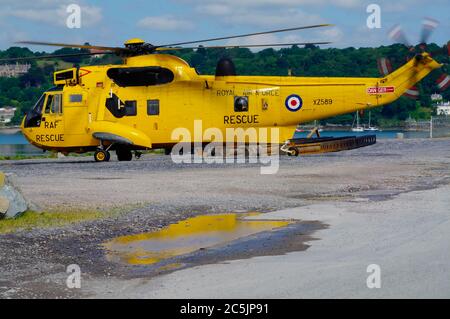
point(48, 105)
point(39, 105)
point(33, 118)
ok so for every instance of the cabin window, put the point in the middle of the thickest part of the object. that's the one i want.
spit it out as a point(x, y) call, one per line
point(130, 108)
point(115, 106)
point(140, 76)
point(241, 103)
point(76, 98)
point(57, 104)
point(54, 104)
point(153, 107)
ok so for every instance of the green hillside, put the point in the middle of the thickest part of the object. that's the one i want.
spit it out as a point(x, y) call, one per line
point(22, 92)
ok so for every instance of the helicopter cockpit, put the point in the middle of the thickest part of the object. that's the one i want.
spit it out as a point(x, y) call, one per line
point(50, 102)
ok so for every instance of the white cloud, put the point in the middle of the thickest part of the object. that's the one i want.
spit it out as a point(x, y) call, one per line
point(260, 14)
point(263, 15)
point(266, 39)
point(334, 34)
point(215, 9)
point(263, 20)
point(165, 23)
point(50, 12)
point(206, 6)
point(288, 18)
point(238, 4)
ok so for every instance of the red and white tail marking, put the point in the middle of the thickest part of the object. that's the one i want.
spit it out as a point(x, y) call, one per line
point(412, 93)
point(384, 66)
point(430, 24)
point(396, 33)
point(443, 82)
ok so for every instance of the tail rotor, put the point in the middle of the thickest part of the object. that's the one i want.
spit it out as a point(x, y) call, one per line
point(398, 36)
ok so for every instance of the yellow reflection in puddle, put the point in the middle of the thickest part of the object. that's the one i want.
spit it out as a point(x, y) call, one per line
point(185, 237)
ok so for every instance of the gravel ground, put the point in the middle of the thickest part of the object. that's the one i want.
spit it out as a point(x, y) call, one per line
point(154, 192)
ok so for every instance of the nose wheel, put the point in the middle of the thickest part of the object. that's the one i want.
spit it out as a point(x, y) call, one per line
point(102, 156)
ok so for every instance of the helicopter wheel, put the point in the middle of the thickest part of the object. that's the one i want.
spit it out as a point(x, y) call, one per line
point(124, 155)
point(293, 152)
point(102, 156)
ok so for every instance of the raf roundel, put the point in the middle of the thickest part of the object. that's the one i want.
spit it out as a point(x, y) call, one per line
point(294, 103)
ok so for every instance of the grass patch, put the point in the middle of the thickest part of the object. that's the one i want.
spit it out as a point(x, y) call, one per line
point(30, 220)
point(155, 151)
point(44, 156)
point(24, 157)
point(55, 155)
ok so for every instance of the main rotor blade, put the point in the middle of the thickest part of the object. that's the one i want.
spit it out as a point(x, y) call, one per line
point(428, 26)
point(397, 35)
point(53, 56)
point(246, 35)
point(231, 46)
point(75, 46)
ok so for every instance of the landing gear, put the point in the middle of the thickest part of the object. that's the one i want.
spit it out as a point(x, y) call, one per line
point(102, 156)
point(124, 155)
point(293, 152)
point(289, 149)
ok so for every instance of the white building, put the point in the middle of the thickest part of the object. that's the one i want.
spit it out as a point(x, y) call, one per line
point(443, 108)
point(14, 70)
point(6, 114)
point(436, 97)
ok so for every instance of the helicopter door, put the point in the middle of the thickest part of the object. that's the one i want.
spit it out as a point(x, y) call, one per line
point(52, 119)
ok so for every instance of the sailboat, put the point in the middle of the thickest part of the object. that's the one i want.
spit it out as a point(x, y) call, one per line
point(370, 127)
point(318, 126)
point(358, 127)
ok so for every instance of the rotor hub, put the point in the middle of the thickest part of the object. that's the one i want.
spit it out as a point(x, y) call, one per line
point(134, 42)
point(138, 46)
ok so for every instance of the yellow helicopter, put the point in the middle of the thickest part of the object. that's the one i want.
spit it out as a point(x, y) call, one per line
point(137, 105)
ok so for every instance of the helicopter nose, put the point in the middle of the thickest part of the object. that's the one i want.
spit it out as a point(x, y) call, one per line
point(22, 124)
point(26, 132)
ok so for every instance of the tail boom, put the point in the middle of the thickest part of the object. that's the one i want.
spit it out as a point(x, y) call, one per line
point(396, 84)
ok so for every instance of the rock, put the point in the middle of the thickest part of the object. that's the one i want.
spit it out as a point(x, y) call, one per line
point(4, 205)
point(12, 201)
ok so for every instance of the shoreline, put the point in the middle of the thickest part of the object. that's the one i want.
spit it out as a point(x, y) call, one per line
point(9, 130)
point(348, 128)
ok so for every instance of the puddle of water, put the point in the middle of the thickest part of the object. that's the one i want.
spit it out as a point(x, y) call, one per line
point(185, 237)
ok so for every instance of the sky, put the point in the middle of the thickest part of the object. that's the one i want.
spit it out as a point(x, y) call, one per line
point(112, 22)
